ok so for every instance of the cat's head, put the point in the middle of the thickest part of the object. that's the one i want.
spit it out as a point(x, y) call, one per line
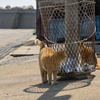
point(81, 46)
point(62, 54)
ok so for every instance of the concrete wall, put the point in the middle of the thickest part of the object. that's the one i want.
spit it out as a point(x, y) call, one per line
point(6, 19)
point(17, 18)
point(27, 19)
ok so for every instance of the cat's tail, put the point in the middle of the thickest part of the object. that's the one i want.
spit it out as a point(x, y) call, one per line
point(40, 43)
point(97, 66)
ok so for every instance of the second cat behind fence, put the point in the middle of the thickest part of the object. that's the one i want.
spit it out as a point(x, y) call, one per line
point(49, 62)
point(88, 53)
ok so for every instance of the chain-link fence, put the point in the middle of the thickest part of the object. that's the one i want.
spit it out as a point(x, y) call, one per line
point(70, 25)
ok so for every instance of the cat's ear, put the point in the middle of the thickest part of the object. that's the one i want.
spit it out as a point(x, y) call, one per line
point(81, 43)
point(63, 51)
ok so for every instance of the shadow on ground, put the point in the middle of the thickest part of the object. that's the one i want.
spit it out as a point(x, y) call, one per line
point(64, 84)
point(29, 43)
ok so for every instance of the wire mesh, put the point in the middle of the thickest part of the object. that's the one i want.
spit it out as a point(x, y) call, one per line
point(70, 25)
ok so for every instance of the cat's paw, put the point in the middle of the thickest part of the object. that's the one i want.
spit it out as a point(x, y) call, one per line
point(55, 83)
point(45, 82)
point(49, 83)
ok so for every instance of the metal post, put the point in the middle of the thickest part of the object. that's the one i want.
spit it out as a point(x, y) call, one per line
point(72, 33)
point(38, 22)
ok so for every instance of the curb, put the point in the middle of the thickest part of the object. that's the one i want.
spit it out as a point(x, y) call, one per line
point(10, 47)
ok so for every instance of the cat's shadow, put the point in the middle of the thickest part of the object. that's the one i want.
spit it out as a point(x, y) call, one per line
point(64, 84)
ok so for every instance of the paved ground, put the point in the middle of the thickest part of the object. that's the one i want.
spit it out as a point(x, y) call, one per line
point(28, 48)
point(10, 39)
point(22, 81)
point(9, 35)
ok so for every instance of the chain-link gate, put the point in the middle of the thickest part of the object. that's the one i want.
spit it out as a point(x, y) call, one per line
point(70, 25)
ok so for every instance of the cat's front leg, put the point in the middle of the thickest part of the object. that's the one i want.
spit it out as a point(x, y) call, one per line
point(55, 77)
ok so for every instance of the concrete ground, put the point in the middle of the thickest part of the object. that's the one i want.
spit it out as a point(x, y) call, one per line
point(28, 48)
point(10, 35)
point(21, 80)
point(10, 39)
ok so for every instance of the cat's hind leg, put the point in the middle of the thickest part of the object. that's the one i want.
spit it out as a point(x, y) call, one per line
point(45, 77)
point(49, 77)
point(42, 72)
point(55, 77)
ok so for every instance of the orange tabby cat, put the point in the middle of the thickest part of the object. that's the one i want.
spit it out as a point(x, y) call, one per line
point(49, 62)
point(87, 54)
